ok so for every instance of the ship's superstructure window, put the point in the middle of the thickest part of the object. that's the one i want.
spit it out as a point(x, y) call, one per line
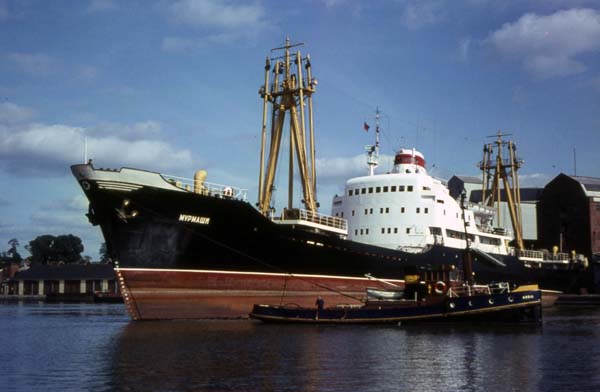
point(342, 214)
point(426, 210)
point(371, 211)
point(355, 231)
point(370, 189)
point(387, 210)
point(383, 230)
point(393, 189)
point(363, 190)
point(435, 230)
point(378, 189)
point(366, 231)
point(395, 230)
point(402, 210)
point(350, 192)
point(381, 210)
point(418, 210)
point(440, 201)
point(409, 188)
point(385, 188)
point(408, 230)
point(361, 231)
point(426, 188)
point(401, 188)
point(389, 230)
point(352, 212)
point(489, 240)
point(366, 211)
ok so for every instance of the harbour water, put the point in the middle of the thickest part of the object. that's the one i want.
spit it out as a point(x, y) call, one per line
point(95, 347)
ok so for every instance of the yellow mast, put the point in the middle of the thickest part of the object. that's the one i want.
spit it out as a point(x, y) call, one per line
point(288, 96)
point(497, 173)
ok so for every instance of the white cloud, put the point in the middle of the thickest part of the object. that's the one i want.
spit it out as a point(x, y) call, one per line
point(140, 130)
point(220, 14)
point(13, 114)
point(464, 47)
point(548, 45)
point(218, 23)
point(418, 14)
point(37, 149)
point(336, 171)
point(534, 180)
point(36, 64)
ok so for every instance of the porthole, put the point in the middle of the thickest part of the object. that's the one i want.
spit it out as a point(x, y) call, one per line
point(491, 301)
point(511, 299)
point(452, 305)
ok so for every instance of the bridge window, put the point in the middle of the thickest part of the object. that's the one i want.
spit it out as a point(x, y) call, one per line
point(350, 192)
point(363, 191)
point(387, 210)
point(371, 211)
point(418, 210)
point(366, 231)
point(366, 211)
point(393, 188)
point(409, 188)
point(382, 230)
point(352, 212)
point(395, 230)
point(389, 230)
point(401, 188)
point(408, 230)
point(426, 210)
point(385, 188)
point(378, 189)
point(355, 231)
point(402, 210)
point(361, 231)
point(370, 189)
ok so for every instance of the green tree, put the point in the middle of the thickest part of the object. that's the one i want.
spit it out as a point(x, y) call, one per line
point(47, 249)
point(41, 249)
point(13, 253)
point(104, 256)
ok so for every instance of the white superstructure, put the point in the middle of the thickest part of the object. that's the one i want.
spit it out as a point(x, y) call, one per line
point(409, 210)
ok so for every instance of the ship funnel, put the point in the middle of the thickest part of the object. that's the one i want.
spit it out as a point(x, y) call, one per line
point(199, 178)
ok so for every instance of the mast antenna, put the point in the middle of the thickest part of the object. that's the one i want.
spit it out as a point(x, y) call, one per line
point(373, 150)
point(290, 94)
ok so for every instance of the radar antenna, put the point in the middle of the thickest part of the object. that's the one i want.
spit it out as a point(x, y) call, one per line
point(373, 150)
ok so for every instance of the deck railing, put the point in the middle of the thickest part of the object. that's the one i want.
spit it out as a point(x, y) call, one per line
point(541, 256)
point(316, 218)
point(208, 188)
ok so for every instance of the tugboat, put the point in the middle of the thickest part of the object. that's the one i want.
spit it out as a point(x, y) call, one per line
point(450, 299)
point(194, 249)
point(457, 303)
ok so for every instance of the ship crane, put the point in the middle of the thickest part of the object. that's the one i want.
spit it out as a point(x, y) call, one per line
point(503, 169)
point(290, 94)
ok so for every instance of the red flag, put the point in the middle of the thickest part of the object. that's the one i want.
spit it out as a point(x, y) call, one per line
point(366, 127)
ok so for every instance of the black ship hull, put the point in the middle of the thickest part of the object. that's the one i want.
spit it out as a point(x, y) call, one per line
point(154, 231)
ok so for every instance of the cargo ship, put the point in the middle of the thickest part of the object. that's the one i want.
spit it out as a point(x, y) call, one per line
point(195, 249)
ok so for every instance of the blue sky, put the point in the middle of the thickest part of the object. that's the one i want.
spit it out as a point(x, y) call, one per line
point(172, 86)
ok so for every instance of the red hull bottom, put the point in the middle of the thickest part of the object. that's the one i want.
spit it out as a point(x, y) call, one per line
point(194, 294)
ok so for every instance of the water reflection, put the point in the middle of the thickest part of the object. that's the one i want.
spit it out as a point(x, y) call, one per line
point(225, 355)
point(93, 347)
